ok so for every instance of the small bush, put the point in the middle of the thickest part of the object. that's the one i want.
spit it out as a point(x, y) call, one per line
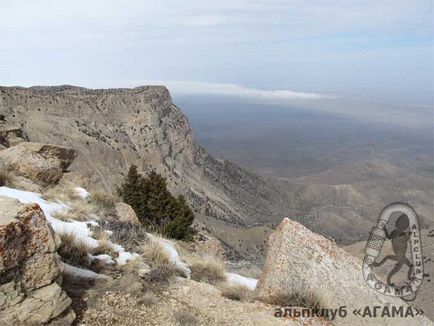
point(185, 318)
point(155, 206)
point(236, 292)
point(207, 269)
point(73, 251)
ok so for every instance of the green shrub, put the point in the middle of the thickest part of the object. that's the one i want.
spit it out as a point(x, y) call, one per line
point(155, 206)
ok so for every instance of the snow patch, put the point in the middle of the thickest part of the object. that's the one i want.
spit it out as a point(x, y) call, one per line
point(236, 279)
point(81, 192)
point(169, 248)
point(103, 257)
point(125, 256)
point(80, 230)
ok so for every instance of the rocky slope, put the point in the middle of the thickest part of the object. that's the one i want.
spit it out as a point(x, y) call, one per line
point(114, 128)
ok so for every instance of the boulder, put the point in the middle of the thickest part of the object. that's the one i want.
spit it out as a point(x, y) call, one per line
point(43, 164)
point(10, 135)
point(30, 268)
point(125, 213)
point(208, 245)
point(304, 263)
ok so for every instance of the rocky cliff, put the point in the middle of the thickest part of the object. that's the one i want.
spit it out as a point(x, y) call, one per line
point(114, 128)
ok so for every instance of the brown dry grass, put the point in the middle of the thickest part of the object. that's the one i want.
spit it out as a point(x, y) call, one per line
point(130, 236)
point(49, 177)
point(64, 192)
point(78, 211)
point(104, 247)
point(236, 292)
point(304, 298)
point(185, 317)
point(6, 178)
point(208, 269)
point(154, 254)
point(162, 268)
point(73, 251)
point(103, 200)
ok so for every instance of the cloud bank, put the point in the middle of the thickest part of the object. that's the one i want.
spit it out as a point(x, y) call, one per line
point(205, 88)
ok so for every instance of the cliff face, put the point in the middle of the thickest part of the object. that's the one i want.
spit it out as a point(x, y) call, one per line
point(114, 128)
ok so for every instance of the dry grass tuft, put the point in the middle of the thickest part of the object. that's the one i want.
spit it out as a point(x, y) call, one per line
point(185, 318)
point(236, 292)
point(74, 251)
point(6, 178)
point(208, 269)
point(130, 236)
point(65, 192)
point(78, 211)
point(103, 200)
point(156, 257)
point(305, 299)
point(104, 247)
point(154, 254)
point(49, 177)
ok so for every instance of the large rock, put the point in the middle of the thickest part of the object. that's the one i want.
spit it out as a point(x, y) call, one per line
point(30, 268)
point(43, 164)
point(10, 135)
point(300, 261)
point(125, 213)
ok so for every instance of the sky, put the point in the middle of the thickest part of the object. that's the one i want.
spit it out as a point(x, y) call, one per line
point(378, 50)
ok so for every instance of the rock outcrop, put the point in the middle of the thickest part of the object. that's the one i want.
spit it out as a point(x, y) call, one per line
point(10, 135)
point(30, 269)
point(114, 128)
point(125, 213)
point(305, 263)
point(41, 164)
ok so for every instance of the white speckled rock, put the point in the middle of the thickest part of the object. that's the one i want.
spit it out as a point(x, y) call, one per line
point(29, 268)
point(300, 261)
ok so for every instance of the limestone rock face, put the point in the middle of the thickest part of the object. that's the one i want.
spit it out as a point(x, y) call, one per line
point(300, 261)
point(126, 214)
point(29, 268)
point(43, 164)
point(114, 128)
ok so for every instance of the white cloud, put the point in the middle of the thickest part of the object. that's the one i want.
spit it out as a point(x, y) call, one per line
point(205, 88)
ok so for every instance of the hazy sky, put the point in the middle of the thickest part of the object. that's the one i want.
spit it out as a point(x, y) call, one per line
point(378, 50)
